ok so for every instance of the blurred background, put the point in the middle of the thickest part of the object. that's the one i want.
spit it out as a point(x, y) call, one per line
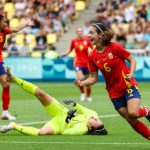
point(34, 52)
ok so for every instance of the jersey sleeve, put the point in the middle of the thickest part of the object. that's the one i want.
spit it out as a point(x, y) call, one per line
point(84, 110)
point(77, 129)
point(121, 51)
point(7, 30)
point(91, 65)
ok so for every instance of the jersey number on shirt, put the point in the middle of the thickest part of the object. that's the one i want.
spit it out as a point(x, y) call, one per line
point(130, 92)
point(1, 39)
point(107, 68)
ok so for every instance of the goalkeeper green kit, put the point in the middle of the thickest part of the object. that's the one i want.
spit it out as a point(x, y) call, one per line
point(77, 125)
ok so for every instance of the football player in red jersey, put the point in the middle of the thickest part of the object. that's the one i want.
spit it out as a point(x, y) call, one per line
point(4, 29)
point(81, 45)
point(109, 57)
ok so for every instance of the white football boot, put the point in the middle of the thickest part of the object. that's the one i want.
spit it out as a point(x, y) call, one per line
point(89, 99)
point(7, 128)
point(7, 116)
point(82, 97)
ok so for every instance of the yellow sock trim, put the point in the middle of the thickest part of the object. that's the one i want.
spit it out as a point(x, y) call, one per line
point(26, 130)
point(27, 86)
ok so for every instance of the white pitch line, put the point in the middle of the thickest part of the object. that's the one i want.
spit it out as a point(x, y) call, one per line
point(41, 122)
point(109, 116)
point(81, 143)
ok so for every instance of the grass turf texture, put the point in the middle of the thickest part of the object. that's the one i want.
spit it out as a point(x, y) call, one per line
point(28, 110)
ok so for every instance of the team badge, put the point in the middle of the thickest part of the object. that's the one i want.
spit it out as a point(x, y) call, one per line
point(110, 55)
point(81, 47)
point(84, 42)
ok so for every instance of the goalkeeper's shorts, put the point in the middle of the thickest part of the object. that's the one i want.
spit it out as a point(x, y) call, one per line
point(58, 114)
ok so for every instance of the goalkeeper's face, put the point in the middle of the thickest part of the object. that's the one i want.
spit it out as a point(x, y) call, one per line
point(94, 123)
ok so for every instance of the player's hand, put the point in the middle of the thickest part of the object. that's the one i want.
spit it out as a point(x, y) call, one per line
point(77, 82)
point(28, 22)
point(129, 77)
point(68, 102)
point(70, 114)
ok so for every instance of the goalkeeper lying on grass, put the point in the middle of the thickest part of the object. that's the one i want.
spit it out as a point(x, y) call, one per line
point(77, 121)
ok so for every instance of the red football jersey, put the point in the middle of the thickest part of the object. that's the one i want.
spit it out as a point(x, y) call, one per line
point(112, 64)
point(2, 41)
point(81, 50)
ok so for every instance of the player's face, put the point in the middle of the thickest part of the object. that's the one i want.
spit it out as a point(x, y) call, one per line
point(94, 123)
point(93, 35)
point(79, 32)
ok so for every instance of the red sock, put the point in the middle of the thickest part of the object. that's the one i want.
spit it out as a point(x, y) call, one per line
point(82, 89)
point(142, 112)
point(6, 97)
point(142, 129)
point(88, 91)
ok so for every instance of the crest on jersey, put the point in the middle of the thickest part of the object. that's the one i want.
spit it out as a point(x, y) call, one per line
point(84, 42)
point(110, 55)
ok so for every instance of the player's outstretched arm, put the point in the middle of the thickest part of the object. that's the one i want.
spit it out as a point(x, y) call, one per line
point(66, 53)
point(89, 81)
point(27, 23)
point(70, 102)
point(80, 109)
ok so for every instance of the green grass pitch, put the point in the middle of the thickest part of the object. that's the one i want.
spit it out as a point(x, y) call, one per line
point(29, 110)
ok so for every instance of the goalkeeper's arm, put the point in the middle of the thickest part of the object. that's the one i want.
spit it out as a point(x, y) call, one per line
point(81, 109)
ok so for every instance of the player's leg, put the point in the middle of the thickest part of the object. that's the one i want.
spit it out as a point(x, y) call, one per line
point(133, 99)
point(88, 88)
point(27, 130)
point(120, 105)
point(137, 125)
point(44, 98)
point(5, 94)
point(51, 105)
point(79, 75)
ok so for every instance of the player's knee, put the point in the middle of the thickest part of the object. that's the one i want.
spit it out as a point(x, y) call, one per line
point(133, 114)
point(5, 84)
point(39, 92)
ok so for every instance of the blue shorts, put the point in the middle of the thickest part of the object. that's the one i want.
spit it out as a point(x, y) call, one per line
point(2, 68)
point(84, 70)
point(131, 93)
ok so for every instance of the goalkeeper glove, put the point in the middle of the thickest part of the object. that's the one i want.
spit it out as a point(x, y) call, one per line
point(68, 102)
